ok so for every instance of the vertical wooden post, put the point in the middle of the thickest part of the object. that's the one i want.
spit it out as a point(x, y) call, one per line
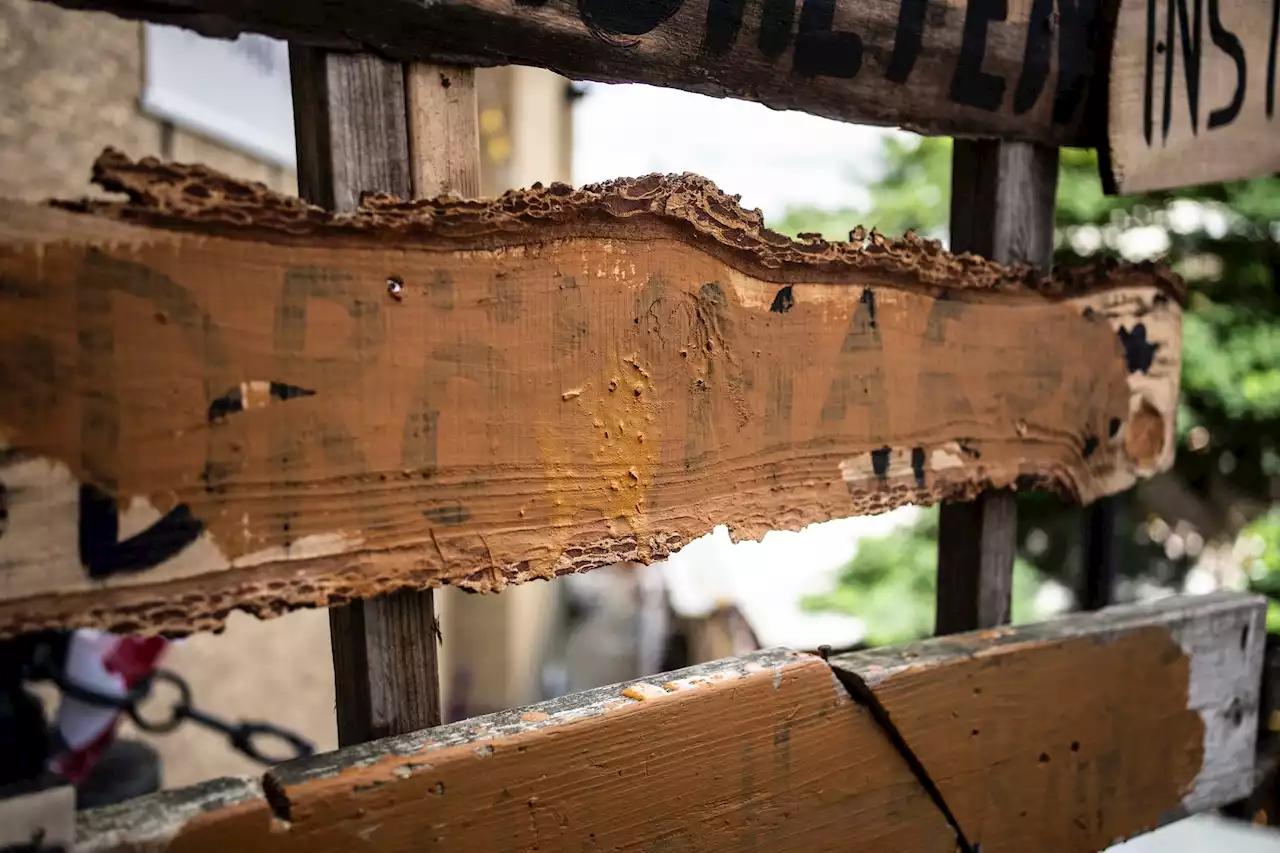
point(1101, 553)
point(366, 124)
point(1002, 197)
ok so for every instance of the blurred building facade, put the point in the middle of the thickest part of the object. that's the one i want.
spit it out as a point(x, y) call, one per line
point(71, 84)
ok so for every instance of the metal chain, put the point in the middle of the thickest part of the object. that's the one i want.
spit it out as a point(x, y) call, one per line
point(247, 738)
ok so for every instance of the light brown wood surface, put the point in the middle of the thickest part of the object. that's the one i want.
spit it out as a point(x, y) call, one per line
point(961, 68)
point(1067, 736)
point(567, 379)
point(1192, 94)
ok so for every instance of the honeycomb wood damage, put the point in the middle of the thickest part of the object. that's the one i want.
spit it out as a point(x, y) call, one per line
point(218, 397)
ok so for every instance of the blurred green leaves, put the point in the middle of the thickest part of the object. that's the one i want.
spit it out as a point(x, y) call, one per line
point(1224, 240)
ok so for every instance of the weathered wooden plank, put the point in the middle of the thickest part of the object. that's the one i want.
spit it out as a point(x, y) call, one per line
point(352, 121)
point(1191, 96)
point(1002, 199)
point(1065, 736)
point(265, 406)
point(961, 68)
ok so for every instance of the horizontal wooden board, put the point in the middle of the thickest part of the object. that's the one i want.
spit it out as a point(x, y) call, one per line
point(254, 403)
point(965, 67)
point(1192, 93)
point(1066, 736)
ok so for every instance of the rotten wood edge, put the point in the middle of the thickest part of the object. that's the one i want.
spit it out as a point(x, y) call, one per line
point(1222, 634)
point(686, 207)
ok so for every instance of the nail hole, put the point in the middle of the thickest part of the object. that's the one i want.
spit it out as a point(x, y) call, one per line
point(1244, 637)
point(973, 733)
point(1075, 746)
point(1044, 758)
point(395, 287)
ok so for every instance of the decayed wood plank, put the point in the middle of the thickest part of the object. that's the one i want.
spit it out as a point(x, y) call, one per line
point(261, 405)
point(1191, 100)
point(974, 68)
point(1065, 736)
point(1002, 198)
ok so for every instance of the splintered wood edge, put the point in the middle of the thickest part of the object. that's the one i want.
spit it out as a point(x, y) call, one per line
point(688, 207)
point(1221, 635)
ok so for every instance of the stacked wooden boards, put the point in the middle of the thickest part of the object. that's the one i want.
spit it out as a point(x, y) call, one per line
point(1067, 736)
point(217, 397)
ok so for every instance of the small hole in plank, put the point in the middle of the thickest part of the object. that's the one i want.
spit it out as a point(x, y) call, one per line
point(1075, 746)
point(1244, 637)
point(973, 733)
point(1044, 758)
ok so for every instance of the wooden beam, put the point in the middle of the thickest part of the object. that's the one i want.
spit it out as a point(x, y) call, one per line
point(366, 124)
point(770, 752)
point(963, 68)
point(1177, 115)
point(269, 405)
point(1101, 554)
point(1002, 198)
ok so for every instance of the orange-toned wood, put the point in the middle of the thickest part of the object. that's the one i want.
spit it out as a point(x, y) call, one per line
point(1033, 735)
point(312, 408)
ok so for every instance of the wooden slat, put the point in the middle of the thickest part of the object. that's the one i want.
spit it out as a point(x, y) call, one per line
point(568, 379)
point(976, 68)
point(1101, 554)
point(1002, 197)
point(1066, 736)
point(366, 124)
point(444, 133)
point(1192, 94)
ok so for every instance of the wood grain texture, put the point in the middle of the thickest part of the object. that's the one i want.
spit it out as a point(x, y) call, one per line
point(353, 129)
point(567, 379)
point(1191, 96)
point(444, 134)
point(978, 68)
point(1002, 199)
point(350, 119)
point(1032, 734)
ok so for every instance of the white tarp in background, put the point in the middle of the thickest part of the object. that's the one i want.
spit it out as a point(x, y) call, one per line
point(236, 92)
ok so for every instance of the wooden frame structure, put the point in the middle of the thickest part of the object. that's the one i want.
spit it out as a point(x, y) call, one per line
point(1006, 720)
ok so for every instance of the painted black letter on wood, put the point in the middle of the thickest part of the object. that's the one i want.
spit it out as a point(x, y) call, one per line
point(776, 17)
point(970, 84)
point(1190, 31)
point(724, 20)
point(907, 41)
point(1074, 28)
point(102, 556)
point(626, 17)
point(821, 52)
point(1230, 45)
point(1271, 58)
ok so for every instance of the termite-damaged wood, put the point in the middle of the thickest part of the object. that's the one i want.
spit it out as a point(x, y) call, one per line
point(979, 68)
point(1124, 719)
point(215, 397)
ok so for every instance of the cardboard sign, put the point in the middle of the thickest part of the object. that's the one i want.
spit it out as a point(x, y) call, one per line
point(1192, 93)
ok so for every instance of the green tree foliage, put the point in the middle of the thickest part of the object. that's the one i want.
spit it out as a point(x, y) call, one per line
point(1224, 240)
point(891, 584)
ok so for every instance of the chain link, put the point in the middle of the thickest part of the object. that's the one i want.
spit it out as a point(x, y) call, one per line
point(248, 738)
